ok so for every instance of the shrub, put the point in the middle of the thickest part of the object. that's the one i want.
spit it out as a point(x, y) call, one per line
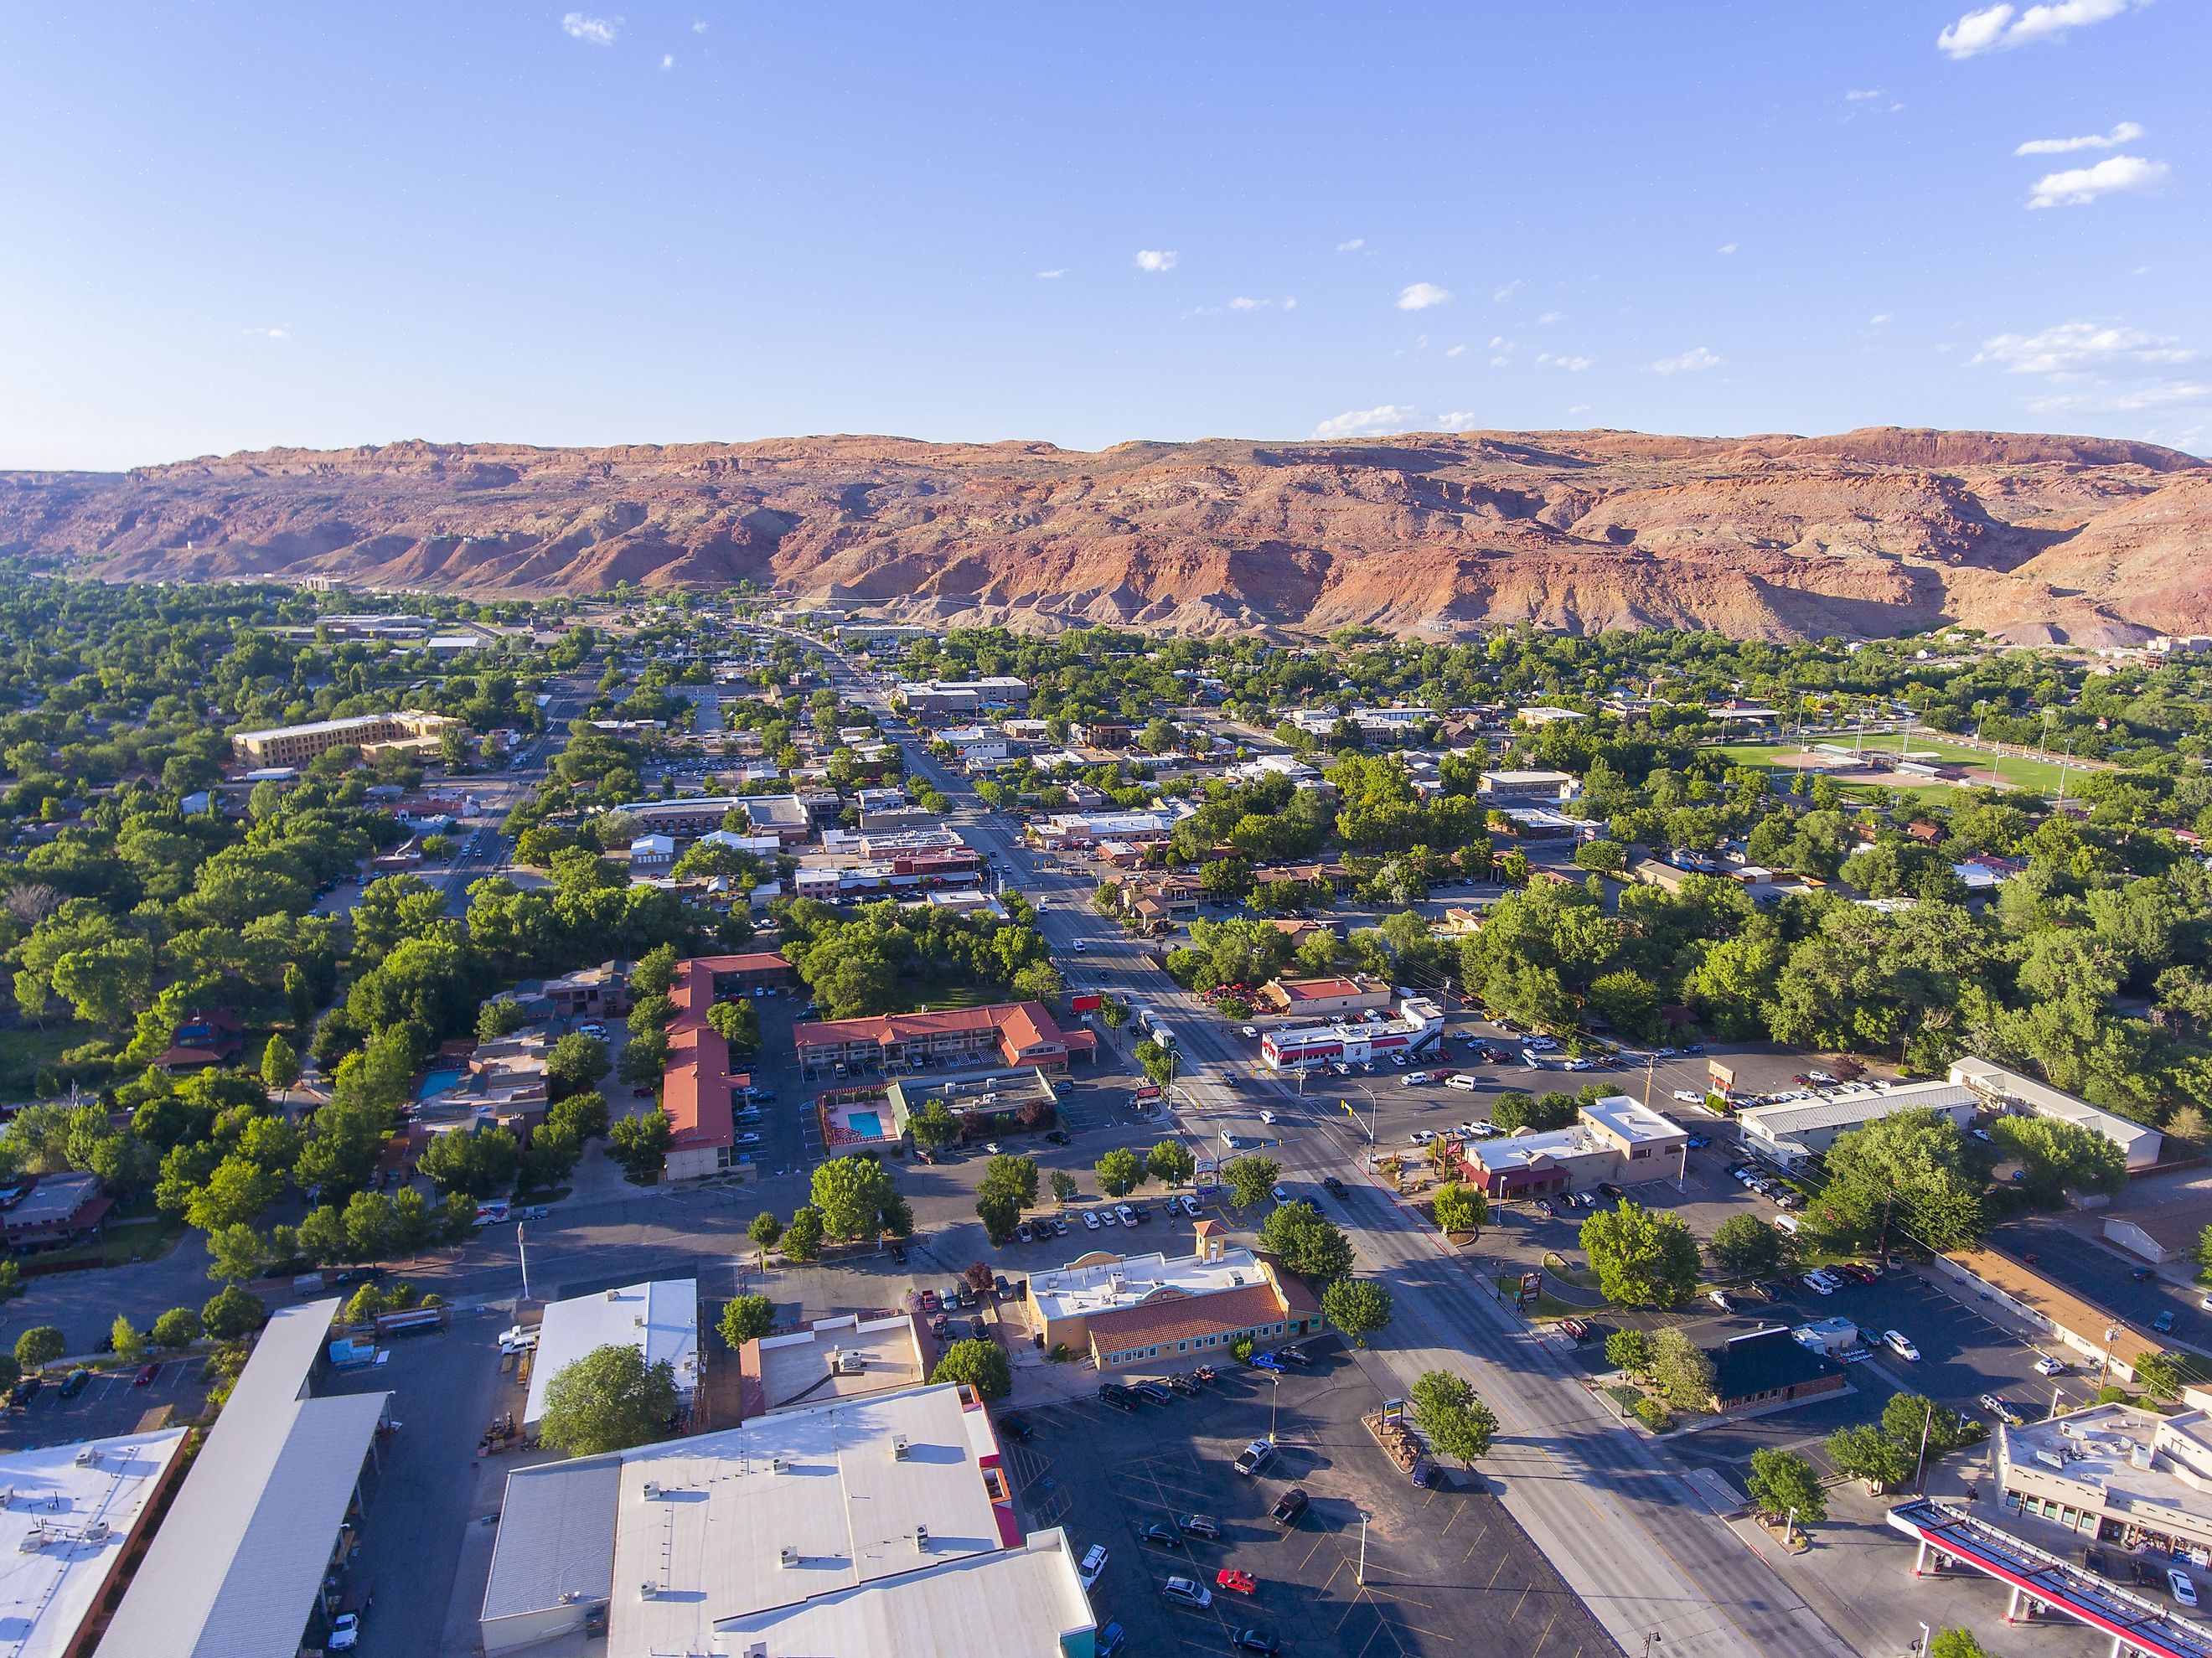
point(1653, 1415)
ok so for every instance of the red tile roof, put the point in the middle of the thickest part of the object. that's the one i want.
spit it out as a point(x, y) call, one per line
point(695, 1088)
point(1176, 1315)
point(1024, 1030)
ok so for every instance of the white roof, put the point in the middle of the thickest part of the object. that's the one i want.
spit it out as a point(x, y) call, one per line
point(1529, 1151)
point(64, 1495)
point(235, 1568)
point(1019, 1602)
point(1632, 1120)
point(1852, 1110)
point(660, 1319)
point(1099, 1283)
point(318, 728)
point(1526, 779)
point(710, 1534)
point(1990, 1081)
point(557, 1537)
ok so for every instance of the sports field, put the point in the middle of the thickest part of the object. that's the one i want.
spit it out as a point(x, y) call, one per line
point(2012, 771)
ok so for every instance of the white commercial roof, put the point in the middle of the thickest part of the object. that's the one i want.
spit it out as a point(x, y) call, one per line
point(1632, 1120)
point(1995, 1083)
point(1529, 1151)
point(1020, 1603)
point(234, 1570)
point(660, 1320)
point(318, 728)
point(1848, 1111)
point(71, 1512)
point(1099, 1283)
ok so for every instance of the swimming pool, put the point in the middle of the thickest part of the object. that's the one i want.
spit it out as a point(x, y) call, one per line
point(441, 1081)
point(868, 1125)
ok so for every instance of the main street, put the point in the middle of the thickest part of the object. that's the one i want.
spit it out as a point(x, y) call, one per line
point(1622, 1523)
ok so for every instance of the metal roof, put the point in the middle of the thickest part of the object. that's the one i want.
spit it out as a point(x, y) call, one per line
point(557, 1537)
point(235, 1568)
point(660, 1319)
point(1849, 1110)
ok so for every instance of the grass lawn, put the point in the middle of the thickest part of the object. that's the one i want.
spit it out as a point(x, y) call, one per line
point(2015, 771)
point(1547, 1306)
point(24, 1053)
point(126, 1239)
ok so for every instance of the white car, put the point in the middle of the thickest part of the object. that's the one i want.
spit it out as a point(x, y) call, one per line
point(1398, 1060)
point(1460, 1079)
point(1540, 1044)
point(1251, 1031)
point(2184, 1591)
point(1280, 1195)
point(1090, 1220)
point(1898, 1343)
point(1266, 1116)
point(1817, 1285)
point(1820, 1079)
point(1081, 949)
point(1689, 1097)
point(2046, 1365)
point(345, 1632)
point(1413, 1079)
point(1190, 1206)
point(1125, 1214)
point(1094, 1563)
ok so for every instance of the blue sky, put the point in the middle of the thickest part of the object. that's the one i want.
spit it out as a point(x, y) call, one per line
point(235, 226)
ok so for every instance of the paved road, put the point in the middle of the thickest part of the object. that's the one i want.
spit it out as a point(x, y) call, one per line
point(1619, 1521)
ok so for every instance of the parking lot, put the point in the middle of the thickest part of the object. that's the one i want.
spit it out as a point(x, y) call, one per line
point(1440, 1564)
point(110, 1404)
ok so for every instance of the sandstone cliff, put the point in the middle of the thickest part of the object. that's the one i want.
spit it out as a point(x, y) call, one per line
point(1874, 532)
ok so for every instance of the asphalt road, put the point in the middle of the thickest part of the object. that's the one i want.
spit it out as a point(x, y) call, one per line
point(1619, 1521)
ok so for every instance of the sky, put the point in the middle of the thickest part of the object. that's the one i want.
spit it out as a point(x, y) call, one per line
point(237, 227)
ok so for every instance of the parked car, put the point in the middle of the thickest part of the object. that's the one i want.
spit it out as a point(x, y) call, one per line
point(1236, 1582)
point(1125, 1214)
point(1200, 1525)
point(1253, 1457)
point(1576, 1328)
point(148, 1375)
point(1058, 1137)
point(1298, 1355)
point(1817, 1285)
point(1898, 1343)
point(2046, 1365)
point(1190, 1206)
point(1159, 1536)
point(2003, 1410)
point(345, 1632)
point(1254, 1640)
point(2163, 1322)
point(1251, 1032)
point(2184, 1591)
point(74, 1382)
point(1016, 1429)
point(1153, 1391)
point(1094, 1565)
point(1689, 1096)
point(1722, 1299)
point(1266, 1362)
point(1116, 1398)
point(1187, 1592)
point(1289, 1506)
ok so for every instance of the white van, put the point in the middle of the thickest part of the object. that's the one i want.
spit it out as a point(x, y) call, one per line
point(1787, 1223)
point(1460, 1079)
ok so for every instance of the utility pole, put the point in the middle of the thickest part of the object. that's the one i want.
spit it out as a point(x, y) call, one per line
point(1920, 1464)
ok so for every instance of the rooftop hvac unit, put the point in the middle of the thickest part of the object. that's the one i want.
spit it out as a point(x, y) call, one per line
point(32, 1540)
point(652, 1489)
point(786, 1557)
point(88, 1457)
point(639, 1321)
point(921, 1539)
point(97, 1531)
point(777, 1464)
point(648, 1590)
point(898, 1447)
point(614, 1295)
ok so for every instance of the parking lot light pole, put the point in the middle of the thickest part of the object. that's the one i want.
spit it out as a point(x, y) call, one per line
point(1359, 1576)
point(1275, 1400)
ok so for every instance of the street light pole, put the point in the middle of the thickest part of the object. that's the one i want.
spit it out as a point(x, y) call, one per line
point(1359, 1576)
point(1275, 1400)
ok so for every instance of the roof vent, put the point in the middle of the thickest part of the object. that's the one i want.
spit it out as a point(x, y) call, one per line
point(921, 1539)
point(614, 1295)
point(786, 1557)
point(88, 1457)
point(898, 1447)
point(639, 1321)
point(648, 1590)
point(778, 1465)
point(97, 1531)
point(652, 1489)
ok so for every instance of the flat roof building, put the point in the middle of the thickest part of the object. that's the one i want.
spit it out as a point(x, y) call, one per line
point(409, 732)
point(1315, 998)
point(238, 1568)
point(1617, 1140)
point(73, 1514)
point(2008, 1091)
point(826, 1359)
point(2115, 1473)
point(660, 1319)
point(1791, 1131)
point(1498, 787)
point(881, 1524)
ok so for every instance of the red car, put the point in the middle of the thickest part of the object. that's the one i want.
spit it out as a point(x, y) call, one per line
point(1243, 1583)
point(928, 1299)
point(145, 1376)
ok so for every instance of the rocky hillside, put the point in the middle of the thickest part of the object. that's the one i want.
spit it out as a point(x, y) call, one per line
point(1874, 532)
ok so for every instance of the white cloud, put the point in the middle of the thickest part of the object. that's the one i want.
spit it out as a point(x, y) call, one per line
point(1458, 421)
point(1499, 362)
point(1456, 351)
point(1507, 292)
point(1419, 296)
point(1689, 362)
point(668, 60)
point(1047, 275)
point(2002, 26)
point(592, 31)
point(1292, 303)
point(1551, 316)
point(267, 333)
point(2074, 347)
point(1351, 247)
point(1364, 423)
point(1725, 247)
point(1155, 258)
point(1240, 303)
point(1860, 97)
point(2159, 394)
point(1879, 318)
point(2125, 133)
point(699, 27)
point(2080, 185)
point(1579, 408)
point(1572, 365)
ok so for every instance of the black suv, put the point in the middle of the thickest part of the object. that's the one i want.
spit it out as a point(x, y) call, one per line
point(1153, 1391)
point(1298, 1355)
point(1333, 1186)
point(1117, 1397)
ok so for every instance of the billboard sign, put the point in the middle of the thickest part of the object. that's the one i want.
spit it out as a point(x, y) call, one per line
point(1722, 1077)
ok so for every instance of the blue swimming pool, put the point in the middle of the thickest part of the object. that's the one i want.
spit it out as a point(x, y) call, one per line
point(440, 1081)
point(868, 1125)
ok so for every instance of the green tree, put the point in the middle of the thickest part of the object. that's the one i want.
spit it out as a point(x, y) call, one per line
point(639, 1143)
point(764, 1229)
point(1461, 1207)
point(1171, 1163)
point(369, 1226)
point(1957, 1643)
point(1907, 1417)
point(1681, 1370)
point(1118, 1172)
point(1357, 1306)
point(1866, 1452)
point(1642, 1259)
point(608, 1400)
point(1016, 1176)
point(1304, 1241)
point(1629, 1350)
point(2158, 1375)
point(982, 1364)
point(802, 1239)
point(176, 1329)
point(737, 1024)
point(1159, 1063)
point(232, 1313)
point(576, 1063)
point(1746, 1246)
point(1002, 1217)
point(1063, 1187)
point(502, 1016)
point(280, 1065)
point(2057, 1157)
point(856, 1197)
point(124, 1337)
point(1251, 1179)
point(366, 1305)
point(747, 1318)
point(476, 1165)
point(933, 1127)
point(237, 1252)
point(40, 1346)
point(1783, 1481)
point(237, 1191)
point(1457, 1422)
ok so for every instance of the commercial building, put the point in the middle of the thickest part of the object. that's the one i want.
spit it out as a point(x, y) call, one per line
point(264, 1521)
point(1087, 828)
point(660, 1319)
point(1763, 1368)
point(878, 1524)
point(51, 1212)
point(1353, 992)
point(936, 699)
point(1005, 1033)
point(1374, 722)
point(73, 1514)
point(407, 732)
point(1418, 1030)
point(2090, 1333)
point(2115, 1473)
point(1500, 788)
point(826, 1359)
point(698, 1085)
point(1792, 1130)
point(2002, 1090)
point(691, 815)
point(1617, 1140)
point(1153, 1313)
